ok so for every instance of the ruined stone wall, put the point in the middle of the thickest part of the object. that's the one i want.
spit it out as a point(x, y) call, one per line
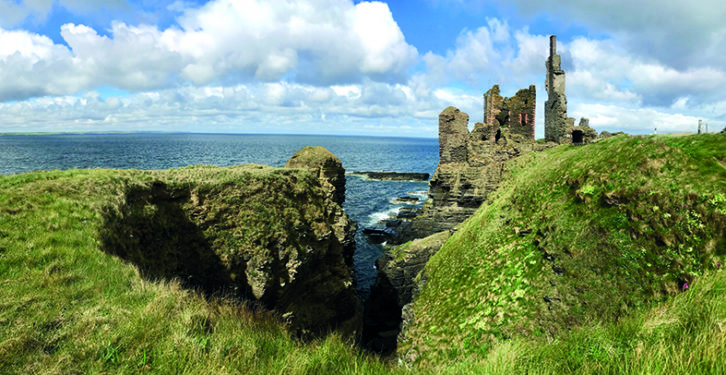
point(492, 106)
point(471, 165)
point(515, 114)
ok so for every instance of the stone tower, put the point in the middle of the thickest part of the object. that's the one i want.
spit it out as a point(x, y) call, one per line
point(556, 120)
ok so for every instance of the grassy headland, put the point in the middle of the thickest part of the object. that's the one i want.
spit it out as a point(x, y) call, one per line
point(580, 237)
point(69, 306)
point(609, 233)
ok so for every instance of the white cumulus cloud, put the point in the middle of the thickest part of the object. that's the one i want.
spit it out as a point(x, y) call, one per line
point(318, 42)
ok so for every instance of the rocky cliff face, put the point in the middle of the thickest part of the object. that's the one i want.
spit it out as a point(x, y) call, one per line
point(326, 166)
point(271, 235)
point(329, 170)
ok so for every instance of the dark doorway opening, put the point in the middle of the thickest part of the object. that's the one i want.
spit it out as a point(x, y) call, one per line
point(577, 137)
point(499, 135)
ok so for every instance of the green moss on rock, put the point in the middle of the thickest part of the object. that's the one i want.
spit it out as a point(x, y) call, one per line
point(254, 232)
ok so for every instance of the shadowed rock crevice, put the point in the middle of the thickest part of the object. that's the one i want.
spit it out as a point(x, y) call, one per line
point(396, 286)
point(151, 229)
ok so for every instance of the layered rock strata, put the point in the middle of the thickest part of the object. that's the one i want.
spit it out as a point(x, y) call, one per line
point(326, 166)
point(392, 176)
point(329, 170)
point(471, 166)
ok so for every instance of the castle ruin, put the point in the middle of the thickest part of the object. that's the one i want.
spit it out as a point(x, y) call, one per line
point(558, 127)
point(556, 120)
point(516, 114)
point(472, 163)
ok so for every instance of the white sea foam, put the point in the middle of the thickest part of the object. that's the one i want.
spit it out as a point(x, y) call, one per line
point(421, 194)
point(377, 217)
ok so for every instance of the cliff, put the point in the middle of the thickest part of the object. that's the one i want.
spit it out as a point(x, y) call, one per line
point(273, 237)
point(394, 289)
point(471, 167)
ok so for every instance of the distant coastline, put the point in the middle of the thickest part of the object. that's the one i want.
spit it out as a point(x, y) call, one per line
point(121, 132)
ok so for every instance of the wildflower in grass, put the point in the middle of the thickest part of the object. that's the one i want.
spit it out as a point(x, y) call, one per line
point(685, 286)
point(718, 265)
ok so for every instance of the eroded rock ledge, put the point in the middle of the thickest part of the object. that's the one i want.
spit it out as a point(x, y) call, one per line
point(277, 236)
point(396, 287)
point(392, 176)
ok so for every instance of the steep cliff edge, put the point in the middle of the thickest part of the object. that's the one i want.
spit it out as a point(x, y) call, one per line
point(271, 235)
point(395, 288)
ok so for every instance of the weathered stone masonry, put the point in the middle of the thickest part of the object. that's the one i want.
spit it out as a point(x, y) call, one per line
point(515, 114)
point(558, 127)
point(556, 120)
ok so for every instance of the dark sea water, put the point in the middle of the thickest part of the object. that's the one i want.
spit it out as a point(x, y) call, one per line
point(367, 202)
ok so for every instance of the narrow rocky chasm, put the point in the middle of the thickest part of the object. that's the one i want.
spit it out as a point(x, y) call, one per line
point(273, 236)
point(396, 286)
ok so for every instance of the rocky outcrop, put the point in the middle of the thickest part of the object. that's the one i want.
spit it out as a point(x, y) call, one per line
point(326, 166)
point(471, 166)
point(275, 236)
point(393, 176)
point(453, 133)
point(395, 287)
point(406, 200)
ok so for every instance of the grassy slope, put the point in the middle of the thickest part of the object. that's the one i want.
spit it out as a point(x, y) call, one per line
point(600, 231)
point(66, 307)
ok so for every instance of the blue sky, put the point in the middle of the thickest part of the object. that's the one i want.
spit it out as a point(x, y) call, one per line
point(352, 67)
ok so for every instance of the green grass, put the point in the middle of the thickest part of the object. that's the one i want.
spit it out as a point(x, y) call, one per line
point(68, 307)
point(684, 335)
point(575, 236)
point(581, 218)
